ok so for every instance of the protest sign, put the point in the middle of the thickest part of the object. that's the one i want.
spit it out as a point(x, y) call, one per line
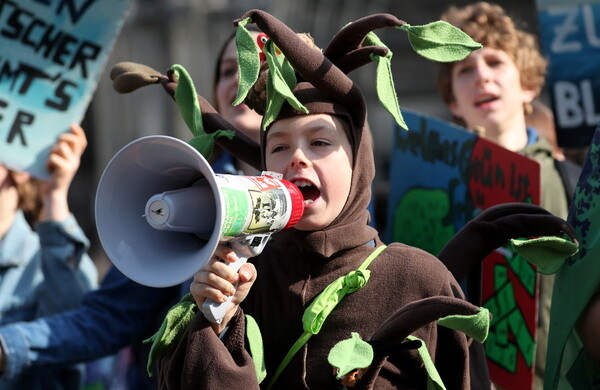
point(570, 37)
point(53, 53)
point(441, 176)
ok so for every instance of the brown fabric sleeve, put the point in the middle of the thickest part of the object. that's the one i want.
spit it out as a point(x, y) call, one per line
point(203, 361)
point(492, 228)
point(359, 57)
point(352, 35)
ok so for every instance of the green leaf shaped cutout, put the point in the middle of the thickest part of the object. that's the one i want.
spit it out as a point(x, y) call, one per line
point(384, 81)
point(350, 354)
point(547, 253)
point(187, 100)
point(440, 41)
point(248, 61)
point(280, 83)
point(172, 329)
point(475, 326)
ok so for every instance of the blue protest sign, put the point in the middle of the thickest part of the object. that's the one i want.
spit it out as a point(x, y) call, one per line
point(570, 37)
point(53, 53)
point(441, 176)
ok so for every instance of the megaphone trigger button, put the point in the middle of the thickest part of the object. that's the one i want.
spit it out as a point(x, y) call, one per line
point(256, 241)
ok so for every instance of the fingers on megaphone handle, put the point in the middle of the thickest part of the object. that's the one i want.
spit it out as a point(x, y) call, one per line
point(215, 311)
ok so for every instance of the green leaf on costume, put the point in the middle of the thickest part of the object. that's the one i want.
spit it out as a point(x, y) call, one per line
point(475, 326)
point(350, 354)
point(187, 100)
point(189, 107)
point(255, 344)
point(434, 380)
point(248, 61)
point(547, 253)
point(280, 83)
point(440, 41)
point(172, 329)
point(204, 143)
point(384, 81)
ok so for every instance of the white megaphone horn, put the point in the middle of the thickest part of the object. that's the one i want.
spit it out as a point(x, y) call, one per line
point(161, 211)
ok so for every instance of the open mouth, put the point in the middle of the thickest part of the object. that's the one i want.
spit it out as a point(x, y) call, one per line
point(485, 99)
point(308, 190)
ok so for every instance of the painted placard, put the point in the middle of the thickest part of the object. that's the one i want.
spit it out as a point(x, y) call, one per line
point(570, 37)
point(441, 176)
point(53, 53)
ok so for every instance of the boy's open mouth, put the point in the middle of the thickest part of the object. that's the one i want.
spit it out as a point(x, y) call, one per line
point(485, 99)
point(308, 190)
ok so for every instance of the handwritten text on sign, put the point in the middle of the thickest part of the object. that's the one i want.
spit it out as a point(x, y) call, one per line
point(52, 55)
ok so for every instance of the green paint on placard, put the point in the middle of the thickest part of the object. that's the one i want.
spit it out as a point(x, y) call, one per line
point(503, 355)
point(504, 302)
point(501, 331)
point(524, 340)
point(523, 270)
point(500, 275)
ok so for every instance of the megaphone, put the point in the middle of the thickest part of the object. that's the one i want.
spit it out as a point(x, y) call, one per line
point(161, 211)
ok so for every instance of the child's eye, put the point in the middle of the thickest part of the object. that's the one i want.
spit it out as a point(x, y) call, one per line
point(320, 142)
point(277, 148)
point(464, 70)
point(493, 62)
point(228, 72)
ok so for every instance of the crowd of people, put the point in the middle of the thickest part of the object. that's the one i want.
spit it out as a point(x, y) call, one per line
point(328, 279)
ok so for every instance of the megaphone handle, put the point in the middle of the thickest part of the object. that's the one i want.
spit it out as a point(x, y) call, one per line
point(244, 247)
point(213, 311)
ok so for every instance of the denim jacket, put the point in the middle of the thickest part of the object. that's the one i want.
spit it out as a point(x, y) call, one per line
point(36, 277)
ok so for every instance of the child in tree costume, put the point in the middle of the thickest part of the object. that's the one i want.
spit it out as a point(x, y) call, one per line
point(334, 303)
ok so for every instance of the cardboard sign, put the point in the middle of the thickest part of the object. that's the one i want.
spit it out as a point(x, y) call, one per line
point(441, 176)
point(53, 53)
point(570, 37)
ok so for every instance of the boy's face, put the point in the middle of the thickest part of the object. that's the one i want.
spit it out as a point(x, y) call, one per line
point(487, 89)
point(313, 152)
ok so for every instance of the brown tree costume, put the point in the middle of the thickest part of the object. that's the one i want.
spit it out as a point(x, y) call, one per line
point(296, 266)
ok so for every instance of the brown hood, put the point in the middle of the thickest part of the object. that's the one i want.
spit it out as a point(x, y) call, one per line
point(326, 89)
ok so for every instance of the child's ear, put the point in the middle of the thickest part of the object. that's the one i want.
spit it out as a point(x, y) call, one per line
point(529, 95)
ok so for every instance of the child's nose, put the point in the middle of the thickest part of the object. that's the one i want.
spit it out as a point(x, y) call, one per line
point(483, 72)
point(299, 159)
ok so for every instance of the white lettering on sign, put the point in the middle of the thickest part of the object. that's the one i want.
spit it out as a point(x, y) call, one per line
point(574, 104)
point(565, 39)
point(560, 43)
point(590, 26)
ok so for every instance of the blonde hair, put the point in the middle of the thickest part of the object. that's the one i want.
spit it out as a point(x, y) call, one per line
point(489, 25)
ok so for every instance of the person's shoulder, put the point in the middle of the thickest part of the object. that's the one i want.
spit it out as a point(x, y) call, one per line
point(410, 257)
point(420, 271)
point(540, 149)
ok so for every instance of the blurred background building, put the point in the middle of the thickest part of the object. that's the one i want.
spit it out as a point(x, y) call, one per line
point(160, 33)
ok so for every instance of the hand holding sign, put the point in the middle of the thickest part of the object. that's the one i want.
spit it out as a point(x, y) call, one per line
point(63, 163)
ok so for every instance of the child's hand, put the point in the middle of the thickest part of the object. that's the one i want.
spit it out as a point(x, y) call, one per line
point(216, 281)
point(63, 163)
